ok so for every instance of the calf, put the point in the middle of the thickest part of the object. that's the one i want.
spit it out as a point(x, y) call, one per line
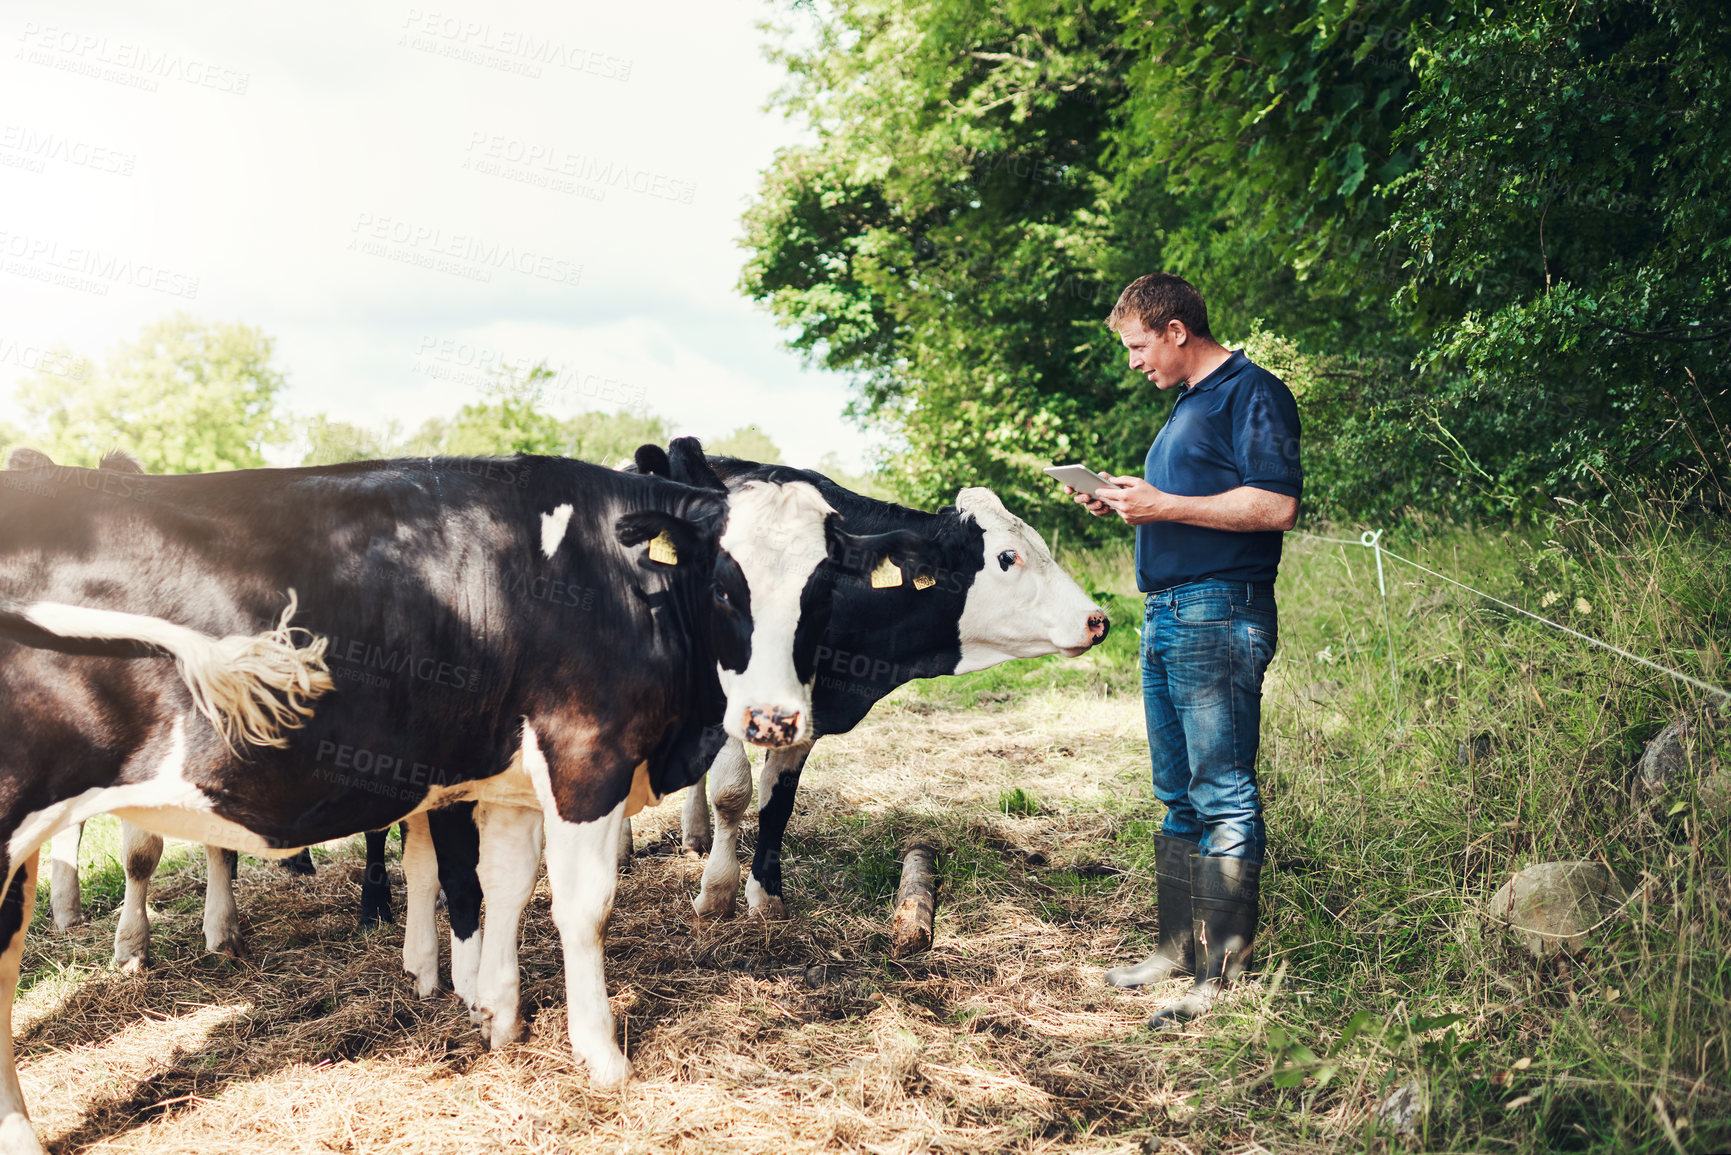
point(569, 640)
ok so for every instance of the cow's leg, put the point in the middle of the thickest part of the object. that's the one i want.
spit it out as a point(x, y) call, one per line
point(421, 882)
point(580, 868)
point(510, 859)
point(458, 845)
point(694, 833)
point(63, 894)
point(376, 883)
point(781, 769)
point(16, 1135)
point(732, 774)
point(221, 918)
point(627, 846)
point(140, 850)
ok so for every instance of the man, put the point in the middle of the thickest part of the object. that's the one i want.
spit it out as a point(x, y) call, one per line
point(1220, 486)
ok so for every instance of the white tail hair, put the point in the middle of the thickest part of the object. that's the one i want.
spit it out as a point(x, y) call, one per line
point(252, 687)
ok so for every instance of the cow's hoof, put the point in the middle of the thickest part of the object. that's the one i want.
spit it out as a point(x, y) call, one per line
point(231, 945)
point(497, 1031)
point(771, 907)
point(607, 1072)
point(132, 964)
point(712, 907)
point(695, 848)
point(426, 987)
point(375, 915)
point(71, 923)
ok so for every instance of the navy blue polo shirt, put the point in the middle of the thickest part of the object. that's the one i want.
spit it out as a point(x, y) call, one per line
point(1237, 426)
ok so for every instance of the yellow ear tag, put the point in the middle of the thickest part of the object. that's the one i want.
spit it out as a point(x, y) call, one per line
point(661, 549)
point(924, 581)
point(887, 576)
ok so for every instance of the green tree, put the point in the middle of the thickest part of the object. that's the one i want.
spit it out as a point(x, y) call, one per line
point(511, 421)
point(333, 442)
point(1569, 244)
point(187, 396)
point(612, 438)
point(749, 443)
point(1492, 232)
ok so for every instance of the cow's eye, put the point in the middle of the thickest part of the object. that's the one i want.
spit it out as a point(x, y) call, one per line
point(1009, 558)
point(721, 597)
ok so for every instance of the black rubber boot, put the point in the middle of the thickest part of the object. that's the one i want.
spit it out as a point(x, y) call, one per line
point(1223, 895)
point(1174, 956)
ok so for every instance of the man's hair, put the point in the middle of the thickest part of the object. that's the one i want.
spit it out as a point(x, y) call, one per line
point(1157, 298)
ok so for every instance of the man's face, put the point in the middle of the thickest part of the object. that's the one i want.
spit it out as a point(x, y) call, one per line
point(1160, 356)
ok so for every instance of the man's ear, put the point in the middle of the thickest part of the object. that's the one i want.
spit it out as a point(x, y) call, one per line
point(690, 466)
point(653, 459)
point(673, 540)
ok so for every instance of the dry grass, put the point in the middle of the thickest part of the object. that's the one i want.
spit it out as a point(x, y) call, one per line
point(746, 1036)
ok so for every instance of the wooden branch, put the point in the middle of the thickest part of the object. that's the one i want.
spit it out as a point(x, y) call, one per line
point(916, 902)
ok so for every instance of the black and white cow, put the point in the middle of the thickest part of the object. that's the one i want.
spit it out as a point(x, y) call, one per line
point(577, 633)
point(993, 594)
point(985, 590)
point(140, 850)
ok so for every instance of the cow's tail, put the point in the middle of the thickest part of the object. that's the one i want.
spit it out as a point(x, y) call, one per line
point(252, 687)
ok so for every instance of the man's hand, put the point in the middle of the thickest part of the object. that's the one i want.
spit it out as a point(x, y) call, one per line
point(1092, 504)
point(1137, 502)
point(1242, 510)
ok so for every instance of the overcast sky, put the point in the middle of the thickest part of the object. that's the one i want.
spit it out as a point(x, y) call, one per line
point(401, 195)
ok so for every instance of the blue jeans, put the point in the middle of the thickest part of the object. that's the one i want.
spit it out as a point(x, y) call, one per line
point(1205, 646)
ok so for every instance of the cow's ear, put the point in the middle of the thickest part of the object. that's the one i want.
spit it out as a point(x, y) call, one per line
point(23, 458)
point(690, 466)
point(887, 559)
point(672, 539)
point(653, 459)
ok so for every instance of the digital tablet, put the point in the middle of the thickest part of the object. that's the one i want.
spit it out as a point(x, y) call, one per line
point(1080, 478)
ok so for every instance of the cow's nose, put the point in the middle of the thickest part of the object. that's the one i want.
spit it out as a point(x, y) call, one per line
point(1098, 627)
point(771, 727)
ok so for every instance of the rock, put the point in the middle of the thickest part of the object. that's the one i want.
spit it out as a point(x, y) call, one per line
point(1552, 906)
point(1690, 749)
point(1403, 1111)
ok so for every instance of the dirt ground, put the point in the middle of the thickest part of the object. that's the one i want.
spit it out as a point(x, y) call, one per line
point(746, 1036)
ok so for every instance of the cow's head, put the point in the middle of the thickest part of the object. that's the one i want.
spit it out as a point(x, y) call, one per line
point(1021, 604)
point(771, 583)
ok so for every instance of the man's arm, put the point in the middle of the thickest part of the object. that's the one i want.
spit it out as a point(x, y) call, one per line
point(1246, 509)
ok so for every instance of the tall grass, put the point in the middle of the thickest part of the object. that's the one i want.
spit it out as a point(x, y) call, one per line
point(1393, 818)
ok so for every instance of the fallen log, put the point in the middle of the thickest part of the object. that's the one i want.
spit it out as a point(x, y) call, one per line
point(916, 902)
